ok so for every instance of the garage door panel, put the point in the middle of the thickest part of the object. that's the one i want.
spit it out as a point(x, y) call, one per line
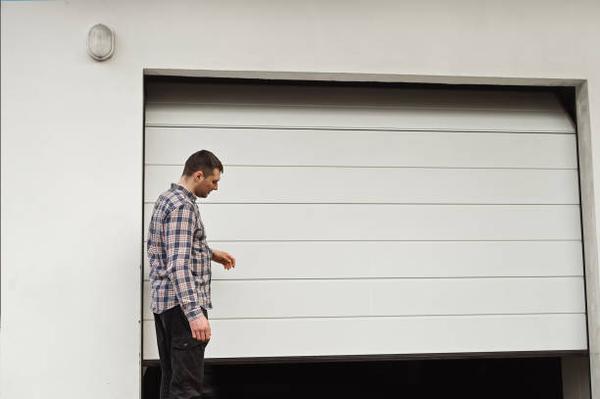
point(381, 336)
point(391, 222)
point(341, 117)
point(375, 185)
point(388, 222)
point(394, 297)
point(263, 260)
point(255, 147)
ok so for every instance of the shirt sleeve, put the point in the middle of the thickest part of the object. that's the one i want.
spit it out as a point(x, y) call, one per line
point(210, 252)
point(179, 234)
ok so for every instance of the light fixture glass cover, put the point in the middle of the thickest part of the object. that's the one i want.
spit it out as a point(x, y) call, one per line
point(101, 42)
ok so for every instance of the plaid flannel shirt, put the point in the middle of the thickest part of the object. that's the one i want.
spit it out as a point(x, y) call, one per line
point(179, 256)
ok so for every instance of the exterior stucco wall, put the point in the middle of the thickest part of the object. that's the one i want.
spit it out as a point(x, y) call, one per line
point(72, 134)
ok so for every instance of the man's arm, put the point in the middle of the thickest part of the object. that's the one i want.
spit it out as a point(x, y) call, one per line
point(179, 236)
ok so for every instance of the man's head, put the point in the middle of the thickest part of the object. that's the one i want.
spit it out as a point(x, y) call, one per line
point(202, 172)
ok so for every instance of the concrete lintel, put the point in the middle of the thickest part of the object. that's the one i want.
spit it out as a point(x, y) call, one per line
point(364, 77)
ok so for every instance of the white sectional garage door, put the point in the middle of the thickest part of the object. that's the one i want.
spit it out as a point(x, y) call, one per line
point(373, 220)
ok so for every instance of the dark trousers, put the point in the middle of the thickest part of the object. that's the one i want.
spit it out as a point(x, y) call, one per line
point(181, 356)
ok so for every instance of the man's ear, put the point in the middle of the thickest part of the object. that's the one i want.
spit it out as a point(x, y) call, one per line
point(199, 175)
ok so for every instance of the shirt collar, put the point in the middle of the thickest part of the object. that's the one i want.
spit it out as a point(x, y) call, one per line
point(187, 192)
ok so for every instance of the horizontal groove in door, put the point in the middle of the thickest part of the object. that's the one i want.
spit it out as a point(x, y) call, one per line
point(442, 259)
point(372, 186)
point(385, 149)
point(371, 336)
point(387, 222)
point(351, 117)
point(377, 298)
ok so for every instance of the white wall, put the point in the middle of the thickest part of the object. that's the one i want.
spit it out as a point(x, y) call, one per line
point(72, 139)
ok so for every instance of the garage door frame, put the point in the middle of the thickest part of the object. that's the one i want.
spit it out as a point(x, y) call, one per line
point(587, 200)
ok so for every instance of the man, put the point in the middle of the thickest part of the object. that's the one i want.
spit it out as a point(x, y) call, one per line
point(180, 274)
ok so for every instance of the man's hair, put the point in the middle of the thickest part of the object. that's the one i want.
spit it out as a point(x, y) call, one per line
point(202, 160)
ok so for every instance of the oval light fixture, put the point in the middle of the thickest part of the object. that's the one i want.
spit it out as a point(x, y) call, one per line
point(101, 42)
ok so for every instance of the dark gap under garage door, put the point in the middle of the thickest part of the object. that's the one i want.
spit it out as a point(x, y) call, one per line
point(512, 378)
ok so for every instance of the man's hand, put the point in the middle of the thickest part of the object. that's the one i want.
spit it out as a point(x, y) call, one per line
point(200, 329)
point(223, 258)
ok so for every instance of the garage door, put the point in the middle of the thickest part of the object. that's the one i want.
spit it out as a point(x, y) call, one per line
point(379, 220)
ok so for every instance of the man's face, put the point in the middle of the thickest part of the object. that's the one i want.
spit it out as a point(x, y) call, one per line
point(205, 184)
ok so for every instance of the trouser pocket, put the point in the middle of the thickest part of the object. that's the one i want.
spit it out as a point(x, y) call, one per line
point(187, 362)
